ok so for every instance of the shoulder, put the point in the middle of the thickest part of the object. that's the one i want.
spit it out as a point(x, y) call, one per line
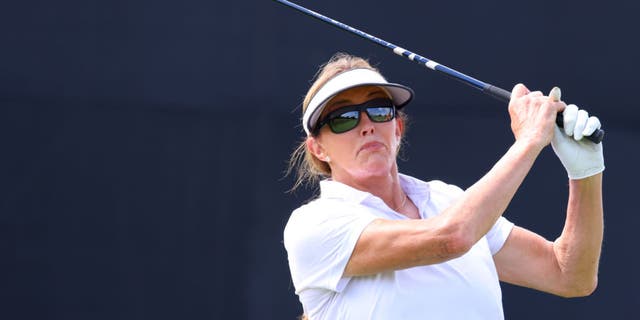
point(433, 187)
point(442, 195)
point(320, 209)
point(441, 187)
point(323, 215)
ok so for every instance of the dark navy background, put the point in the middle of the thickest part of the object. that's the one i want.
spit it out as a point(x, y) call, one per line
point(144, 143)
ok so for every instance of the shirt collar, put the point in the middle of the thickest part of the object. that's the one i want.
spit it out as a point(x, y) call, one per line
point(416, 189)
point(329, 189)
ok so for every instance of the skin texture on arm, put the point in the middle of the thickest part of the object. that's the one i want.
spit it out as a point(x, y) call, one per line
point(568, 266)
point(391, 244)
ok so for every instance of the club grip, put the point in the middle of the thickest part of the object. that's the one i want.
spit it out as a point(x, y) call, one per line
point(596, 137)
point(497, 93)
point(505, 96)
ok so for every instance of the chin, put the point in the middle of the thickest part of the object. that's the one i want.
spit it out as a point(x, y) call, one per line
point(375, 169)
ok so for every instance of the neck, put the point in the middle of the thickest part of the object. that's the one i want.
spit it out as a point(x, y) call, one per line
point(386, 187)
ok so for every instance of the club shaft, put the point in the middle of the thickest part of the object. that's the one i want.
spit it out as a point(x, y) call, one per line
point(488, 89)
point(396, 49)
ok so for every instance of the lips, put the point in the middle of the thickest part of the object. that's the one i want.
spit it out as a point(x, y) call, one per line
point(371, 146)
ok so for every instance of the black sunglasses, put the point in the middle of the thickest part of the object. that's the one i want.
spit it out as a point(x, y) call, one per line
point(346, 118)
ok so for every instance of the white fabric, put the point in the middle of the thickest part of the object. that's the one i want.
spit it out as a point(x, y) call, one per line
point(320, 237)
point(346, 80)
point(580, 157)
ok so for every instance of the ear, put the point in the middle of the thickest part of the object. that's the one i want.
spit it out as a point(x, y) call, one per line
point(316, 148)
point(399, 128)
point(398, 133)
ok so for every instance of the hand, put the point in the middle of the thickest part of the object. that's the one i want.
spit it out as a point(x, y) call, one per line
point(532, 116)
point(580, 157)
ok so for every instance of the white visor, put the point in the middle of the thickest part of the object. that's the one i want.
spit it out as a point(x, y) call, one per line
point(400, 95)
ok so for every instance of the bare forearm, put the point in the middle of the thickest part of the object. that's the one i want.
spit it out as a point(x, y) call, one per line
point(578, 248)
point(391, 245)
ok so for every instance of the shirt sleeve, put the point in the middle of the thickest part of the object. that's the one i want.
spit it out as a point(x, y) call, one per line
point(319, 239)
point(498, 234)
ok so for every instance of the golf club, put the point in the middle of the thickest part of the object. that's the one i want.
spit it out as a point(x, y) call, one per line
point(491, 90)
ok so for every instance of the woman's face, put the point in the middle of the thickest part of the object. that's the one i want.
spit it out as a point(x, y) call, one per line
point(366, 151)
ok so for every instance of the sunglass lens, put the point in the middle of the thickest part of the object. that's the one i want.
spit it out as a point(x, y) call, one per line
point(344, 122)
point(380, 114)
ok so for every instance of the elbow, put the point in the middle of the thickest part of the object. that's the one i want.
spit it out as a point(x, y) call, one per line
point(457, 235)
point(455, 243)
point(448, 239)
point(580, 288)
point(587, 287)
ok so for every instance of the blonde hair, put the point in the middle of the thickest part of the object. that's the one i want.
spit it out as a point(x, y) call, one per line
point(309, 169)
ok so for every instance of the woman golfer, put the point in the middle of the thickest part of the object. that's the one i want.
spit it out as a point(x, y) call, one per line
point(377, 244)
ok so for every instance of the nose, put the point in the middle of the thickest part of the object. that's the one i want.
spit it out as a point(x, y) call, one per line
point(366, 126)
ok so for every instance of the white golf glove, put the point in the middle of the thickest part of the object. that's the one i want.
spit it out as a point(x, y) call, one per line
point(580, 157)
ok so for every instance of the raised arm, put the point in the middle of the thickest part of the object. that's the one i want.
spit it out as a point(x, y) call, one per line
point(568, 266)
point(390, 245)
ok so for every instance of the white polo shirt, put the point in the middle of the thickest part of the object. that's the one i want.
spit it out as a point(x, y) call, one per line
point(320, 237)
